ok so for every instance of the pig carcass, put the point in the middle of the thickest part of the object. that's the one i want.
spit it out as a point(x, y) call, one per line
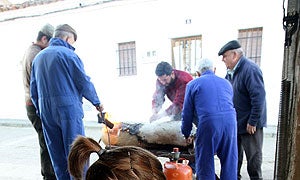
point(159, 137)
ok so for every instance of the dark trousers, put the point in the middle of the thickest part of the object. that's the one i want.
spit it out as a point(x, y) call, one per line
point(46, 165)
point(252, 146)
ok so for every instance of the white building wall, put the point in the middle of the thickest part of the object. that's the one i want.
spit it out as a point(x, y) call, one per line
point(151, 24)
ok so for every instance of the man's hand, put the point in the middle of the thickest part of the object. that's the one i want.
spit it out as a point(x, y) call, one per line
point(189, 140)
point(100, 108)
point(251, 129)
point(155, 117)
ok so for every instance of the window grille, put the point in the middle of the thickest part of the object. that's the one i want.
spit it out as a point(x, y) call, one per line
point(127, 59)
point(186, 51)
point(251, 42)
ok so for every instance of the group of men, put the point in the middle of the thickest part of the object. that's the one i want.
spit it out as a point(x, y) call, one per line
point(55, 83)
point(229, 112)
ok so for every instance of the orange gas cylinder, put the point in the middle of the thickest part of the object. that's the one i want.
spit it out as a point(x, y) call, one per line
point(174, 170)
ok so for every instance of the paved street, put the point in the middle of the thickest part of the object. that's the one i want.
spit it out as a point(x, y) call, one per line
point(19, 151)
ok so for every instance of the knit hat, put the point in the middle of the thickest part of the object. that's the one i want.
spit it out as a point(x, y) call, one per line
point(67, 28)
point(48, 30)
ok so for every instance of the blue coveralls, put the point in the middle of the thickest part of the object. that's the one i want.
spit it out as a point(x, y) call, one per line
point(58, 84)
point(209, 98)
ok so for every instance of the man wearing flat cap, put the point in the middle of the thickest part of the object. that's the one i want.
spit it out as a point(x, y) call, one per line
point(250, 104)
point(58, 85)
point(42, 41)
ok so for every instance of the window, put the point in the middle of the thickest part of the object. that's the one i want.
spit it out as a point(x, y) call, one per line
point(251, 42)
point(186, 51)
point(127, 59)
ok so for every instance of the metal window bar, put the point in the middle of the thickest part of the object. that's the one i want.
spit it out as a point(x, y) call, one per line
point(182, 49)
point(251, 41)
point(127, 59)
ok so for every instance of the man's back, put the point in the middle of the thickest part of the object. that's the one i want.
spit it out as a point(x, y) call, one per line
point(211, 94)
point(56, 68)
point(59, 74)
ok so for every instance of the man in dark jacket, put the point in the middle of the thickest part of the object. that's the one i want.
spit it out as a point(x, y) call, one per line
point(250, 103)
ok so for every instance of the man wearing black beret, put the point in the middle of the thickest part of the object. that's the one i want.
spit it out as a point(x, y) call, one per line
point(250, 104)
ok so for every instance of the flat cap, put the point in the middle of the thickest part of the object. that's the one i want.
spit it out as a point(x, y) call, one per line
point(67, 28)
point(234, 44)
point(48, 30)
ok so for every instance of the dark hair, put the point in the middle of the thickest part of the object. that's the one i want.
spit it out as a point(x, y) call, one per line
point(163, 68)
point(41, 34)
point(121, 163)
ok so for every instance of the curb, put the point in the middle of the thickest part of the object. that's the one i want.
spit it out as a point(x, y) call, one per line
point(270, 131)
point(27, 123)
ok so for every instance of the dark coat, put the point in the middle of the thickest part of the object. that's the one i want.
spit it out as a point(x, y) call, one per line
point(249, 96)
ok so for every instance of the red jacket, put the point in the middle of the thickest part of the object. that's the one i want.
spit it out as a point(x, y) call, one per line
point(175, 92)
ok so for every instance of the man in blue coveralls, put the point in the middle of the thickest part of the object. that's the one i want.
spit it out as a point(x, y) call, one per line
point(209, 100)
point(58, 84)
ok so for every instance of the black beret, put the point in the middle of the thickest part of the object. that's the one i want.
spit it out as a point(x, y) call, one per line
point(234, 44)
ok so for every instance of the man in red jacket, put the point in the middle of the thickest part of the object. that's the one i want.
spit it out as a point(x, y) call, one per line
point(172, 83)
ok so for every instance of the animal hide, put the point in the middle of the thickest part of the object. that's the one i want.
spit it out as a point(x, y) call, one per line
point(160, 134)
